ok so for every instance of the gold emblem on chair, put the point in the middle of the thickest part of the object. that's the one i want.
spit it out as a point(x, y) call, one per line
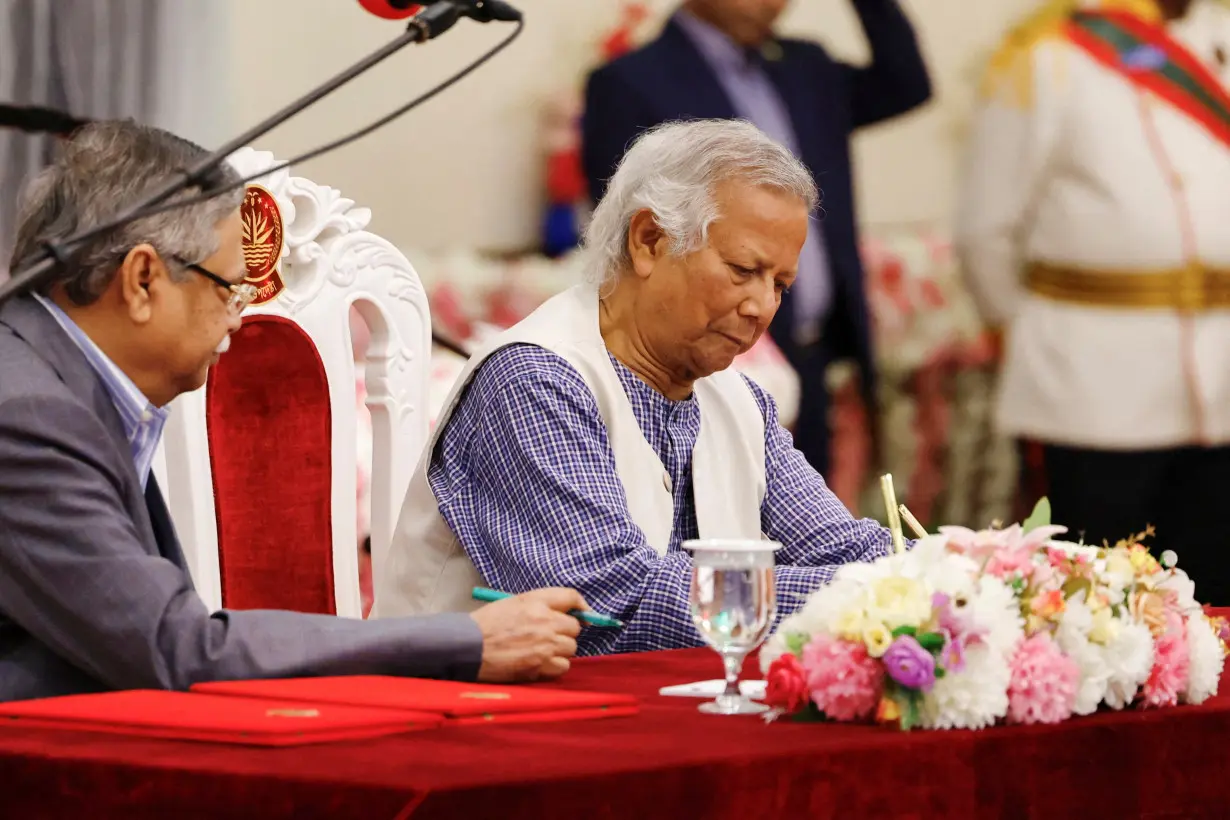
point(262, 242)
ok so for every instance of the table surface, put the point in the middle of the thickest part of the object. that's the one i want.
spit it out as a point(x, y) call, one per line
point(670, 760)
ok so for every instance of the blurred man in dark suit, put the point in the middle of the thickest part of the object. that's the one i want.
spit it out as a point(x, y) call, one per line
point(720, 59)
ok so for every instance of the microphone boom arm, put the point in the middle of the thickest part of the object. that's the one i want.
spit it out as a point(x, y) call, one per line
point(433, 20)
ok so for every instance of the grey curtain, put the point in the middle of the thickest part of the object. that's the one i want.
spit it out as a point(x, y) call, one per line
point(160, 62)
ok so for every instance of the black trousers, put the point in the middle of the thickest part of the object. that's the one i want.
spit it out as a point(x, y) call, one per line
point(1184, 493)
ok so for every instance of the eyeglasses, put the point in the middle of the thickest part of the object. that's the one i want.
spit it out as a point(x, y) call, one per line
point(241, 294)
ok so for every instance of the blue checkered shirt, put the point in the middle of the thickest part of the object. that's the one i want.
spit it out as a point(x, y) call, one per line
point(143, 422)
point(525, 476)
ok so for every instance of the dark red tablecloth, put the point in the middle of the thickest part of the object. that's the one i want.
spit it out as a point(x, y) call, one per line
point(670, 762)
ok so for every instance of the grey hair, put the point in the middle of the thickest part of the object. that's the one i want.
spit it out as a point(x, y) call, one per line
point(105, 167)
point(672, 170)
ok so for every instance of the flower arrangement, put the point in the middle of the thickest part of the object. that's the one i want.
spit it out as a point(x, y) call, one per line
point(973, 628)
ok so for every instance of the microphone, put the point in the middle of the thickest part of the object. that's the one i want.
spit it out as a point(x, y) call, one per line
point(482, 11)
point(391, 9)
point(35, 119)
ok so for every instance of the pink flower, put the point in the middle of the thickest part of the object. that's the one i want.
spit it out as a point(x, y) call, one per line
point(981, 544)
point(1171, 664)
point(952, 656)
point(1005, 564)
point(1044, 682)
point(786, 684)
point(845, 682)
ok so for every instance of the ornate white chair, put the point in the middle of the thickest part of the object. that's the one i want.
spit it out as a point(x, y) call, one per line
point(260, 466)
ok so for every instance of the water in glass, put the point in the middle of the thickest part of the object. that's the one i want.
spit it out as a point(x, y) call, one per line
point(734, 603)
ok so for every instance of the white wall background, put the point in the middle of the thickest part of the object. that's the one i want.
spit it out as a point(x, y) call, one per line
point(464, 170)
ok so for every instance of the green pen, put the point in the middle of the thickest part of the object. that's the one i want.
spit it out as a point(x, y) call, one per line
point(591, 618)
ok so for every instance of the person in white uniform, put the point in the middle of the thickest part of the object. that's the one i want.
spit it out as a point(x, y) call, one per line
point(1094, 229)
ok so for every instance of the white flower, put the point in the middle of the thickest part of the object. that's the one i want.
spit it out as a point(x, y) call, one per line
point(1117, 571)
point(819, 614)
point(864, 573)
point(825, 608)
point(1073, 638)
point(1130, 657)
point(1207, 660)
point(996, 611)
point(952, 575)
point(973, 698)
point(977, 695)
point(1184, 588)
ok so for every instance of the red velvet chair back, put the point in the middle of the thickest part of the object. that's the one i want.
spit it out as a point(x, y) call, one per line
point(269, 428)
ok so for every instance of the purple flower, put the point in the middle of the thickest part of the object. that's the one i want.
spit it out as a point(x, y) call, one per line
point(909, 664)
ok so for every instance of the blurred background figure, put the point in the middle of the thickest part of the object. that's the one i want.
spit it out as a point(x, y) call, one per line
point(722, 59)
point(160, 62)
point(1092, 228)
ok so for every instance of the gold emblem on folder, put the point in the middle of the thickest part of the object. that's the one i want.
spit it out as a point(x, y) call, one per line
point(486, 695)
point(293, 713)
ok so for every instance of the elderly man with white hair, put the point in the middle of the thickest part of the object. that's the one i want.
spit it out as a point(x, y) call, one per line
point(582, 446)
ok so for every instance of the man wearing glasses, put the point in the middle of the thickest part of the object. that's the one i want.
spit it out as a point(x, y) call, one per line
point(94, 590)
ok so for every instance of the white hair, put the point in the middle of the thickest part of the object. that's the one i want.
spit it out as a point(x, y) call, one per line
point(672, 171)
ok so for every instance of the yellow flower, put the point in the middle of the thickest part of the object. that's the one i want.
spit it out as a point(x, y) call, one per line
point(899, 602)
point(1104, 628)
point(878, 638)
point(850, 625)
point(1142, 562)
point(888, 711)
point(1118, 564)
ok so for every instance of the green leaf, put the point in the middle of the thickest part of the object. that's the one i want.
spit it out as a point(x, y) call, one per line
point(795, 641)
point(909, 711)
point(931, 641)
point(1040, 517)
point(939, 672)
point(904, 630)
point(809, 714)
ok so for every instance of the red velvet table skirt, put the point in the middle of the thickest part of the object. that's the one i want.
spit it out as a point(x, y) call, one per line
point(670, 761)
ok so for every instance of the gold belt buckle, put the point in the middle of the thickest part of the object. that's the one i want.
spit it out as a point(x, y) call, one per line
point(1192, 285)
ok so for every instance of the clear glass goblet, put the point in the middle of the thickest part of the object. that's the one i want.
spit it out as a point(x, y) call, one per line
point(734, 603)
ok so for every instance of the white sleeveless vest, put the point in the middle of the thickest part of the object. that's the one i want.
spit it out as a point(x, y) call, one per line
point(427, 570)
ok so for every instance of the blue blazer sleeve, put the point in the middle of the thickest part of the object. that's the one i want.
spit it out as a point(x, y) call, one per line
point(896, 81)
point(614, 115)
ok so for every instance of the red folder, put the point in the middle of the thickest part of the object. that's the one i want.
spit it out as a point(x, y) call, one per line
point(191, 716)
point(458, 702)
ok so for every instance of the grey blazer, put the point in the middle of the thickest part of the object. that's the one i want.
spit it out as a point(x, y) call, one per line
point(94, 590)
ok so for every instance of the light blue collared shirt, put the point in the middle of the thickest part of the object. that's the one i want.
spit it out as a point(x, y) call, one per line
point(143, 422)
point(757, 100)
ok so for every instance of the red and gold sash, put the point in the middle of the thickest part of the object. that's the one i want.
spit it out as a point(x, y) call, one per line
point(1148, 57)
